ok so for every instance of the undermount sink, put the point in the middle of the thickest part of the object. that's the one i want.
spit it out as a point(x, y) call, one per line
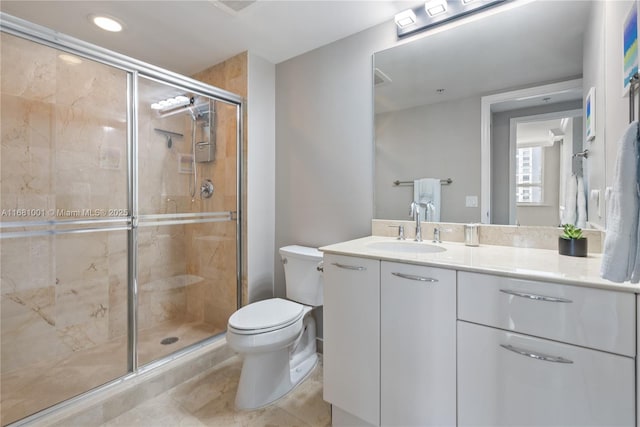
point(406, 247)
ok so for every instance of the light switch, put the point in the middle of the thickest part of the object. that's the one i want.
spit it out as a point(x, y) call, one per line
point(471, 202)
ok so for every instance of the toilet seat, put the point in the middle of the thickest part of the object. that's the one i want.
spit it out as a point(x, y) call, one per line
point(265, 316)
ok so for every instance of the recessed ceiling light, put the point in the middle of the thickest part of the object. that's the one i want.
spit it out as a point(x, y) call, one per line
point(107, 23)
point(70, 59)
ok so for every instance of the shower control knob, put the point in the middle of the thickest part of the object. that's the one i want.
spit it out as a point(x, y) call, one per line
point(206, 188)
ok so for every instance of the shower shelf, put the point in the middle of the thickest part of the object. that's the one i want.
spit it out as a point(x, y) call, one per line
point(174, 282)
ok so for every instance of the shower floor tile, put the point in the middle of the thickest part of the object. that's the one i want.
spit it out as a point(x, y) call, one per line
point(26, 391)
point(150, 347)
point(208, 400)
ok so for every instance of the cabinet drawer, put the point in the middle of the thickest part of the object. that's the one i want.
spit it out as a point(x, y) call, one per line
point(502, 383)
point(595, 318)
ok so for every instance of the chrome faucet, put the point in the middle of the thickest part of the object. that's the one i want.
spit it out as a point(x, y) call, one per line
point(415, 213)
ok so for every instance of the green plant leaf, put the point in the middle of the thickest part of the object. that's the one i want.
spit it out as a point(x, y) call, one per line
point(570, 231)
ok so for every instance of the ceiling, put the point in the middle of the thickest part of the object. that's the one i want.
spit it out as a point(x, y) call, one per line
point(189, 36)
point(516, 46)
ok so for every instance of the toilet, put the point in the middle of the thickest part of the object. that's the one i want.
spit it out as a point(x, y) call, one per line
point(277, 337)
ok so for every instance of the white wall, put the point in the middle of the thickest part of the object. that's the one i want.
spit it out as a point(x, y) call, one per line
point(260, 177)
point(324, 150)
point(617, 106)
point(432, 141)
point(594, 76)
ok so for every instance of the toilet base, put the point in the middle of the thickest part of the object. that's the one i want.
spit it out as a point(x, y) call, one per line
point(266, 377)
point(300, 372)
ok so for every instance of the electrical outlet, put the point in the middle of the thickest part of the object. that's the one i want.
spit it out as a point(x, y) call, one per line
point(471, 202)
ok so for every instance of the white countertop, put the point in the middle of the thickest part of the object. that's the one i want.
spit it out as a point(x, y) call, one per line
point(523, 263)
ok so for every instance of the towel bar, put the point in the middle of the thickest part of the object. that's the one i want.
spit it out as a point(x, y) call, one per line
point(584, 154)
point(442, 181)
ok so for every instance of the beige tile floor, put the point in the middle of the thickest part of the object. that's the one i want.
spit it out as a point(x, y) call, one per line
point(208, 400)
point(41, 385)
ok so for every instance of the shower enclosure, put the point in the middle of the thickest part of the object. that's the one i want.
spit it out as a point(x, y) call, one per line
point(120, 226)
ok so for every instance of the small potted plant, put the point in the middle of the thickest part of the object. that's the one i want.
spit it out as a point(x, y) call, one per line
point(572, 242)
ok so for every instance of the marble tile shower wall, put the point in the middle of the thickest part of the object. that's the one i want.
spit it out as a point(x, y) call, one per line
point(232, 75)
point(64, 155)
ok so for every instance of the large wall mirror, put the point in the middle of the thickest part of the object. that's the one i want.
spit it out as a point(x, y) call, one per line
point(521, 75)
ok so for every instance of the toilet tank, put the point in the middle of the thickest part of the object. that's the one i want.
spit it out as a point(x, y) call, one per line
point(303, 279)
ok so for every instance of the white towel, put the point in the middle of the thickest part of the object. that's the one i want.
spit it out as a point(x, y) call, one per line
point(581, 204)
point(571, 196)
point(427, 190)
point(621, 239)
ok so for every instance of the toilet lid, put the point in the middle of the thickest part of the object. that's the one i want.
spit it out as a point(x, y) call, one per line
point(271, 313)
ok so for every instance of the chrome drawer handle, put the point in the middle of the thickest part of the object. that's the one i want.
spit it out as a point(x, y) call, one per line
point(412, 277)
point(535, 297)
point(539, 356)
point(349, 267)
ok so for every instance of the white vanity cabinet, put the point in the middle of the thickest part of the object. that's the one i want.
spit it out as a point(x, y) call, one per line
point(418, 345)
point(414, 345)
point(351, 315)
point(544, 354)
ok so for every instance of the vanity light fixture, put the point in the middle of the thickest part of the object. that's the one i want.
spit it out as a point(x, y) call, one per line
point(107, 23)
point(406, 18)
point(435, 7)
point(435, 12)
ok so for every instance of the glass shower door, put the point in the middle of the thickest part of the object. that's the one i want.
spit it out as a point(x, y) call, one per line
point(64, 226)
point(186, 232)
